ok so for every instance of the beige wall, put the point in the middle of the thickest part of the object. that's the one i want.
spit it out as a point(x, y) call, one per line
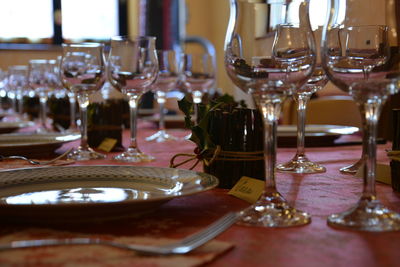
point(209, 19)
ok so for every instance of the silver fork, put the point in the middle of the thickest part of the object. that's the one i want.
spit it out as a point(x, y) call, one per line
point(181, 247)
point(35, 162)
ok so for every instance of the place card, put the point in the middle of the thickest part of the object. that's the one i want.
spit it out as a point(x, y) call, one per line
point(248, 189)
point(107, 144)
point(383, 173)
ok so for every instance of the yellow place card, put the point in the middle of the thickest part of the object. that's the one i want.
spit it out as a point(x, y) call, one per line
point(108, 144)
point(248, 189)
point(383, 173)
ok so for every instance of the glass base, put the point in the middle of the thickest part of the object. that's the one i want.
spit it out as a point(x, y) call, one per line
point(300, 164)
point(161, 136)
point(368, 215)
point(82, 154)
point(272, 210)
point(134, 155)
point(353, 168)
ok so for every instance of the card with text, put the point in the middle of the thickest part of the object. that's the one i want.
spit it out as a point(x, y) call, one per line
point(248, 189)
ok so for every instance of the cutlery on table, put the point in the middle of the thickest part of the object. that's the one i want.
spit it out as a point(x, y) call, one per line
point(36, 162)
point(181, 247)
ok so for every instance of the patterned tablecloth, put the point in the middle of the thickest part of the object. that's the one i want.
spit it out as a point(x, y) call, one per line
point(313, 245)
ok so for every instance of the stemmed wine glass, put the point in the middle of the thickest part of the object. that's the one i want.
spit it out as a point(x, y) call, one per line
point(198, 72)
point(300, 163)
point(82, 72)
point(363, 60)
point(168, 74)
point(263, 62)
point(73, 127)
point(43, 79)
point(17, 83)
point(132, 69)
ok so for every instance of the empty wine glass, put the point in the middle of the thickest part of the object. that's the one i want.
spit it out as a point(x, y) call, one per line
point(82, 72)
point(168, 74)
point(198, 71)
point(132, 69)
point(73, 127)
point(364, 61)
point(43, 79)
point(300, 162)
point(266, 64)
point(17, 85)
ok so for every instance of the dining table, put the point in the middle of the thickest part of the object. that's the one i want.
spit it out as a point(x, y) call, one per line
point(315, 244)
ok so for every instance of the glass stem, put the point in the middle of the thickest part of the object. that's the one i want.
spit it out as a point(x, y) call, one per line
point(20, 103)
point(133, 107)
point(161, 101)
point(43, 101)
point(72, 105)
point(372, 111)
point(270, 112)
point(197, 97)
point(83, 100)
point(364, 126)
point(302, 100)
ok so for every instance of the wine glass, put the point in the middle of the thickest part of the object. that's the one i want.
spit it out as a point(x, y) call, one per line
point(132, 69)
point(82, 72)
point(43, 79)
point(17, 83)
point(363, 60)
point(168, 74)
point(73, 127)
point(198, 72)
point(262, 61)
point(300, 162)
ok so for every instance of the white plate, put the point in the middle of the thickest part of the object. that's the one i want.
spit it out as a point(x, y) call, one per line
point(317, 130)
point(316, 135)
point(9, 126)
point(28, 144)
point(87, 193)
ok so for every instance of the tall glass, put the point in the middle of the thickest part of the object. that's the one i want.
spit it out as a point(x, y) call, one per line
point(42, 79)
point(360, 54)
point(168, 74)
point(198, 72)
point(17, 84)
point(300, 162)
point(73, 127)
point(264, 62)
point(82, 72)
point(132, 69)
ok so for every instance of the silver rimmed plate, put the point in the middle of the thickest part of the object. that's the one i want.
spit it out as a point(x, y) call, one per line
point(87, 193)
point(316, 135)
point(11, 126)
point(33, 145)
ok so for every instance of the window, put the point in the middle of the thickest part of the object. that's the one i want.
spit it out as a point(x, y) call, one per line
point(57, 21)
point(26, 20)
point(89, 19)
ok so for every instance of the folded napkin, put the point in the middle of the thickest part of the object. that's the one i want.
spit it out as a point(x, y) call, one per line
point(98, 255)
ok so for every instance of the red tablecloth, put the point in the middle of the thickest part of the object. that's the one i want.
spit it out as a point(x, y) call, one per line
point(313, 245)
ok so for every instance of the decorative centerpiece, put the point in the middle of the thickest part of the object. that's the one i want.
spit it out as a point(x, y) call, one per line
point(229, 139)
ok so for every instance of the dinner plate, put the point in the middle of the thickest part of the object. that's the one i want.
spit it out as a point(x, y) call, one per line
point(11, 126)
point(33, 145)
point(316, 135)
point(87, 193)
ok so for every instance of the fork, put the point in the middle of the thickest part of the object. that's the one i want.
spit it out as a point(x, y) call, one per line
point(35, 162)
point(181, 247)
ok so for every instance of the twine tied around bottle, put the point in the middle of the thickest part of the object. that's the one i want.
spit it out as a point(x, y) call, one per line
point(393, 154)
point(211, 155)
